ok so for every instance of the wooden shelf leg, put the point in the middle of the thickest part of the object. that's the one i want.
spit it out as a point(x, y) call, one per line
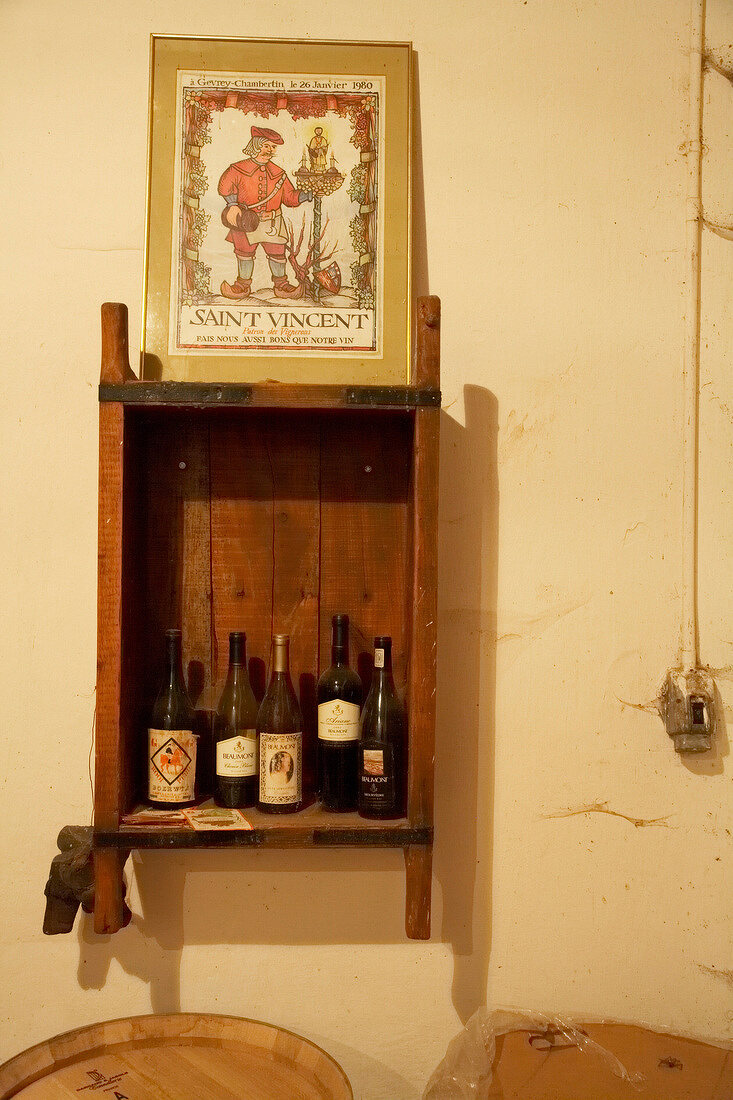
point(418, 875)
point(110, 911)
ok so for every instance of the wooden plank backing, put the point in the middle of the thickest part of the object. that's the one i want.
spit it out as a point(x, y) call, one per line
point(242, 505)
point(294, 453)
point(176, 555)
point(365, 470)
point(174, 563)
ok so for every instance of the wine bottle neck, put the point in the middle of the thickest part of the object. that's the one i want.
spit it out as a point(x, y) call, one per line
point(174, 661)
point(340, 640)
point(383, 678)
point(237, 674)
point(383, 656)
point(237, 664)
point(280, 654)
point(236, 649)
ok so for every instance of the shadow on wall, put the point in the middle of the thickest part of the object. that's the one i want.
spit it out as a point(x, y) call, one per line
point(465, 733)
point(367, 1074)
point(332, 897)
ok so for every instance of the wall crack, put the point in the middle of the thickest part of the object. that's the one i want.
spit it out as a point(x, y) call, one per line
point(603, 808)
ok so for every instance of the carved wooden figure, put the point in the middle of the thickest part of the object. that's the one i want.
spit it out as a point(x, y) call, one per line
point(71, 881)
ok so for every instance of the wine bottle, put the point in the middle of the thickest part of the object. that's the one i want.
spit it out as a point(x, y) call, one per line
point(172, 739)
point(280, 729)
point(339, 694)
point(235, 733)
point(382, 755)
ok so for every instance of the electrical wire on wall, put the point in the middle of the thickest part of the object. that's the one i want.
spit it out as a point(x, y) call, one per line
point(691, 360)
point(688, 695)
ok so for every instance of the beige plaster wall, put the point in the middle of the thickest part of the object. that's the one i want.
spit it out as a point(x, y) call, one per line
point(550, 188)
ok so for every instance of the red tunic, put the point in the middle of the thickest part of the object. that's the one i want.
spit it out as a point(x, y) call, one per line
point(253, 183)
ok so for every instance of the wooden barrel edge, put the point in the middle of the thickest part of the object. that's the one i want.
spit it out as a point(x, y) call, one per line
point(42, 1059)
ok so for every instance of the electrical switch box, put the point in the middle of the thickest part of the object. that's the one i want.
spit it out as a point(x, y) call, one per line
point(686, 704)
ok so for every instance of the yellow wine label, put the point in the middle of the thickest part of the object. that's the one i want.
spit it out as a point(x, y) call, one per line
point(237, 756)
point(379, 658)
point(338, 721)
point(171, 765)
point(281, 770)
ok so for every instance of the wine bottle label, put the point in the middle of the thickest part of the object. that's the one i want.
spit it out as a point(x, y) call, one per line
point(171, 765)
point(281, 773)
point(377, 787)
point(338, 721)
point(237, 756)
point(379, 658)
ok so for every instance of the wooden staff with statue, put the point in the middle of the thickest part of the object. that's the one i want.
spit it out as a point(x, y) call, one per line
point(315, 178)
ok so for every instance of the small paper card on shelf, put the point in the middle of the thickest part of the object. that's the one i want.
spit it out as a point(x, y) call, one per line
point(216, 817)
point(147, 817)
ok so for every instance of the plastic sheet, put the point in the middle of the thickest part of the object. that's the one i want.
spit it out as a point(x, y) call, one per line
point(466, 1071)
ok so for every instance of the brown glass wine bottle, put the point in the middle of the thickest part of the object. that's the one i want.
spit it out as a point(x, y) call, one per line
point(280, 729)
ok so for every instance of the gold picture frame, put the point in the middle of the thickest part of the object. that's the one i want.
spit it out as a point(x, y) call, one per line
point(289, 260)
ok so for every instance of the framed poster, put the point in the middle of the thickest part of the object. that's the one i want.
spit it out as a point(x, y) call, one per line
point(278, 227)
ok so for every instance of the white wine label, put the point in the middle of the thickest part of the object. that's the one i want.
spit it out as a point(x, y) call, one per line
point(237, 756)
point(379, 658)
point(338, 721)
point(171, 765)
point(281, 772)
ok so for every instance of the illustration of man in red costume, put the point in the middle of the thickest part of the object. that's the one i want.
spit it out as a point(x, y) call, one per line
point(255, 190)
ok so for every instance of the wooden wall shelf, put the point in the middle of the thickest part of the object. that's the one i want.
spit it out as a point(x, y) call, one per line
point(264, 507)
point(313, 827)
point(268, 395)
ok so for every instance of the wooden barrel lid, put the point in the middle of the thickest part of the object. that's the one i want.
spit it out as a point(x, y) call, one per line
point(177, 1057)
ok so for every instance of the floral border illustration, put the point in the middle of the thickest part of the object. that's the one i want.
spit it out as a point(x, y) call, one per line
point(198, 110)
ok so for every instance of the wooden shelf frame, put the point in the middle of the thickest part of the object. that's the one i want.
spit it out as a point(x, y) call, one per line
point(329, 429)
point(313, 827)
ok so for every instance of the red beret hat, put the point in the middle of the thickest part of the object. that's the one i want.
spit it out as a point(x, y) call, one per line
point(268, 135)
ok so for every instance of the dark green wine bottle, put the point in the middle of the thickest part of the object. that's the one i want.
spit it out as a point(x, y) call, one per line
point(235, 734)
point(382, 742)
point(339, 703)
point(172, 740)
